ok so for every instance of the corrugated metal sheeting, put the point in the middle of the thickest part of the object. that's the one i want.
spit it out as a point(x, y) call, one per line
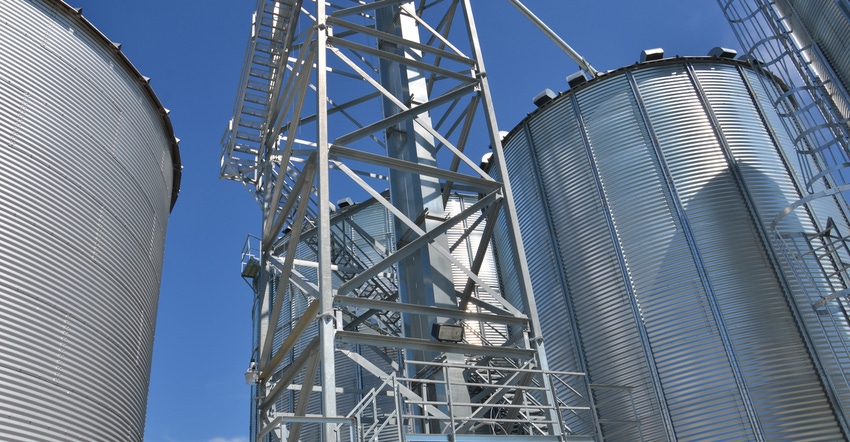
point(87, 165)
point(645, 203)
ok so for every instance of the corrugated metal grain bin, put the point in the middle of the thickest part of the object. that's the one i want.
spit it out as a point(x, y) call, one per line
point(646, 200)
point(89, 169)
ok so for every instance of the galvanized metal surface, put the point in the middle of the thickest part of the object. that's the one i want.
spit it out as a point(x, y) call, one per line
point(658, 183)
point(363, 235)
point(823, 26)
point(87, 170)
point(370, 135)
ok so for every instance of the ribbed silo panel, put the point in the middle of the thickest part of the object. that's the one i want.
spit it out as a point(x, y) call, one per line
point(538, 226)
point(772, 190)
point(603, 306)
point(287, 319)
point(662, 236)
point(365, 246)
point(501, 246)
point(661, 264)
point(15, 101)
point(789, 236)
point(510, 286)
point(547, 281)
point(82, 234)
point(65, 271)
point(771, 356)
point(829, 329)
point(300, 300)
point(294, 304)
point(541, 254)
point(20, 322)
point(127, 125)
point(372, 247)
point(750, 299)
point(464, 249)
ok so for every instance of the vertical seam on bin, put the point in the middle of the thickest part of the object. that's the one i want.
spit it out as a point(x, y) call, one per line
point(698, 261)
point(653, 370)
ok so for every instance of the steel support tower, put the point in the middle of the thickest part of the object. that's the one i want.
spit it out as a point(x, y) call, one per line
point(381, 99)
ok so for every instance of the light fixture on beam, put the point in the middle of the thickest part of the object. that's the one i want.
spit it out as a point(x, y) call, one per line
point(252, 375)
point(251, 267)
point(447, 332)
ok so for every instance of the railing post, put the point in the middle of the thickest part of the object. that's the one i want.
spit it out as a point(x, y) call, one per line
point(399, 409)
point(593, 414)
point(556, 403)
point(449, 403)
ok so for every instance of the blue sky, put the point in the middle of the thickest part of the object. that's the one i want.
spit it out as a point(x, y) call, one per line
point(193, 51)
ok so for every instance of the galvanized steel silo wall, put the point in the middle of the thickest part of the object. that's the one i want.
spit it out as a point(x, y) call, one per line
point(88, 165)
point(645, 199)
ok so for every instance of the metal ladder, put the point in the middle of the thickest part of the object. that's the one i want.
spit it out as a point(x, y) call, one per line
point(819, 132)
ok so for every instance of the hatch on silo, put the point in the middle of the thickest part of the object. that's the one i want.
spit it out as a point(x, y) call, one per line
point(576, 79)
point(544, 97)
point(719, 51)
point(651, 54)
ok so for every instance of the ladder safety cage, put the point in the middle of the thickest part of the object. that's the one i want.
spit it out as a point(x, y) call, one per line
point(813, 110)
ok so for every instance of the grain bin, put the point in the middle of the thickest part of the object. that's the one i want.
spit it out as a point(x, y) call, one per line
point(89, 170)
point(655, 205)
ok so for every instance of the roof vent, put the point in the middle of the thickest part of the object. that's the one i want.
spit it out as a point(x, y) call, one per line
point(345, 202)
point(486, 161)
point(722, 52)
point(749, 58)
point(544, 97)
point(651, 54)
point(576, 79)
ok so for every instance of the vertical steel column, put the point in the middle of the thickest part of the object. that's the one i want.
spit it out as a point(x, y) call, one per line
point(417, 195)
point(327, 323)
point(522, 274)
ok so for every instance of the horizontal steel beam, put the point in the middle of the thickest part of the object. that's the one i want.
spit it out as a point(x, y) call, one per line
point(480, 184)
point(345, 337)
point(427, 310)
point(402, 41)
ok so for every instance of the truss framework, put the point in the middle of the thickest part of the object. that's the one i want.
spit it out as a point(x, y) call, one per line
point(361, 97)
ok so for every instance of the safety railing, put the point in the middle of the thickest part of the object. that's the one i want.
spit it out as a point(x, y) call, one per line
point(503, 400)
